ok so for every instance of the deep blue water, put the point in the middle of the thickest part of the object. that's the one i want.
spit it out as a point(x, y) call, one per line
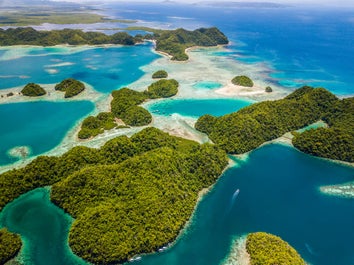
point(279, 194)
point(198, 107)
point(39, 125)
point(105, 68)
point(313, 46)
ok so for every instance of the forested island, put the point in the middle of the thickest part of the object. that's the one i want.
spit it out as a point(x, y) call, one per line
point(267, 249)
point(145, 190)
point(71, 87)
point(173, 42)
point(125, 107)
point(33, 90)
point(251, 126)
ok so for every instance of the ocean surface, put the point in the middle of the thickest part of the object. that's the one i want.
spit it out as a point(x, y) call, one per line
point(279, 186)
point(39, 126)
point(299, 45)
point(197, 107)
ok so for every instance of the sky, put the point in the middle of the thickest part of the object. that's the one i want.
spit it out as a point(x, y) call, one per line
point(310, 2)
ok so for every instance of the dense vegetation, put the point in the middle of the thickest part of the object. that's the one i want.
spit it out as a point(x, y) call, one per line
point(175, 42)
point(93, 126)
point(160, 74)
point(242, 80)
point(163, 89)
point(335, 142)
point(133, 195)
point(71, 87)
point(10, 245)
point(267, 249)
point(124, 106)
point(251, 126)
point(33, 90)
point(30, 36)
point(268, 89)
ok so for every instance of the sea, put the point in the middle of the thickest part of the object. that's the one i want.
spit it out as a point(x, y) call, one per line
point(279, 187)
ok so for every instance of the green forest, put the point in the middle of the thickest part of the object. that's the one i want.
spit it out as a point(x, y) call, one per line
point(10, 245)
point(125, 106)
point(71, 87)
point(242, 80)
point(336, 141)
point(267, 249)
point(248, 128)
point(132, 195)
point(33, 90)
point(160, 74)
point(173, 42)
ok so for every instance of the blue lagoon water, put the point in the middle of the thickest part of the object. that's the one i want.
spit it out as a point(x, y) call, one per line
point(40, 126)
point(43, 228)
point(104, 68)
point(300, 45)
point(198, 107)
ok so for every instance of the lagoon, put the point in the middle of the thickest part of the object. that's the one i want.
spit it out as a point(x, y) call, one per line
point(39, 126)
point(197, 107)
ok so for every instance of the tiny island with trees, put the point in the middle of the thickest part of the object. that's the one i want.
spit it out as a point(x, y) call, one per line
point(33, 90)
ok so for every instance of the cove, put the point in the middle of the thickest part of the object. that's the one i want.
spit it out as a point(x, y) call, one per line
point(198, 107)
point(39, 126)
point(279, 194)
point(43, 228)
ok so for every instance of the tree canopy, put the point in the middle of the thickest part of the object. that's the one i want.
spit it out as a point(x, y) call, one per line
point(242, 80)
point(131, 196)
point(33, 90)
point(248, 128)
point(10, 245)
point(268, 249)
point(71, 87)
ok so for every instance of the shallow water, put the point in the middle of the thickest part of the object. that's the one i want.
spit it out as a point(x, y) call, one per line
point(43, 227)
point(40, 126)
point(198, 107)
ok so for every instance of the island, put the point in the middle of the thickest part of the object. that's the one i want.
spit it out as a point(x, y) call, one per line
point(126, 110)
point(268, 249)
point(10, 245)
point(33, 90)
point(250, 127)
point(160, 74)
point(172, 42)
point(71, 87)
point(242, 80)
point(146, 188)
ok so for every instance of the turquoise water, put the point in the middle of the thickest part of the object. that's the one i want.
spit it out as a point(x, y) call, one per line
point(105, 68)
point(39, 125)
point(43, 227)
point(207, 85)
point(198, 107)
point(279, 194)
